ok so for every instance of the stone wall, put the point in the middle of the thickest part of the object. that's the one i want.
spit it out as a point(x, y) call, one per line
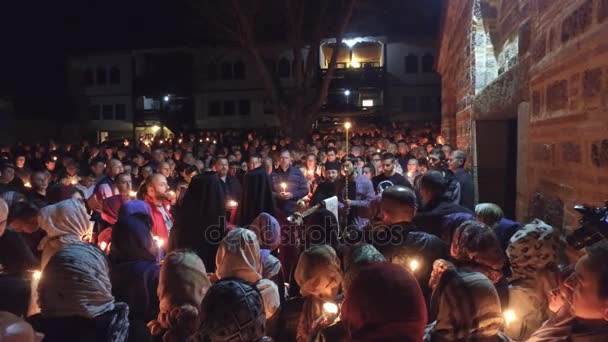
point(559, 74)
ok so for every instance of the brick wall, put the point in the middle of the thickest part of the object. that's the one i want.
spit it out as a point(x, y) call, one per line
point(559, 77)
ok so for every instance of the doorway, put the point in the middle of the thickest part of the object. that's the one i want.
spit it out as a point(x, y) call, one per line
point(497, 163)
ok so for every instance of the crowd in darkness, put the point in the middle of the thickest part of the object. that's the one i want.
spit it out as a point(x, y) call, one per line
point(367, 234)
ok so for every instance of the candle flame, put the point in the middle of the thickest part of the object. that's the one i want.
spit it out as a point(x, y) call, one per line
point(347, 125)
point(133, 194)
point(37, 275)
point(159, 241)
point(509, 316)
point(233, 203)
point(414, 265)
point(27, 185)
point(284, 186)
point(55, 158)
point(330, 308)
point(74, 181)
point(103, 245)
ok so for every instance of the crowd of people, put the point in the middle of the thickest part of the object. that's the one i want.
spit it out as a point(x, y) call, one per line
point(241, 236)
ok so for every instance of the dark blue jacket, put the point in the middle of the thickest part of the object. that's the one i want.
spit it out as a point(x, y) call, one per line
point(296, 184)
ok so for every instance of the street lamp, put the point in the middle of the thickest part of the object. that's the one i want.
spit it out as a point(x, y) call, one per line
point(347, 94)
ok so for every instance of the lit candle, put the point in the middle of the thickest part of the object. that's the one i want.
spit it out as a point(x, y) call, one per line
point(27, 185)
point(509, 316)
point(347, 125)
point(37, 275)
point(161, 141)
point(330, 311)
point(207, 139)
point(74, 181)
point(55, 158)
point(414, 265)
point(232, 204)
point(179, 141)
point(126, 142)
point(159, 252)
point(200, 140)
point(103, 245)
point(284, 186)
point(214, 141)
point(132, 194)
point(33, 307)
point(378, 150)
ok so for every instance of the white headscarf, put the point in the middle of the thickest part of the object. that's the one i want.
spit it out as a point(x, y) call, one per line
point(65, 223)
point(239, 256)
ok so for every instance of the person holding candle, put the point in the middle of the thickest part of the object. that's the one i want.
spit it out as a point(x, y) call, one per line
point(288, 183)
point(134, 272)
point(155, 191)
point(230, 184)
point(233, 310)
point(76, 301)
point(37, 194)
point(400, 240)
point(239, 256)
point(384, 303)
point(360, 193)
point(533, 257)
point(201, 219)
point(65, 223)
point(318, 274)
point(16, 258)
point(468, 309)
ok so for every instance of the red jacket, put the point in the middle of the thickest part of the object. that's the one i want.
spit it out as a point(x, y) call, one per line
point(158, 223)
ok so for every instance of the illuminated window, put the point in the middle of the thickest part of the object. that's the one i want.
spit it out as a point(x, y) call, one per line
point(367, 103)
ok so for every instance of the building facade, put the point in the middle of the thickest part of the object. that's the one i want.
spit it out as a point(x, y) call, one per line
point(525, 93)
point(101, 89)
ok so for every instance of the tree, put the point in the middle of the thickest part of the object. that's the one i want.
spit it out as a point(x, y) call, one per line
point(303, 24)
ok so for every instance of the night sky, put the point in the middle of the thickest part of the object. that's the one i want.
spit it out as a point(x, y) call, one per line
point(36, 37)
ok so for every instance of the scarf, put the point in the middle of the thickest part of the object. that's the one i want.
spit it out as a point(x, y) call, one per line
point(239, 256)
point(384, 303)
point(111, 206)
point(233, 311)
point(131, 236)
point(532, 249)
point(356, 259)
point(319, 276)
point(468, 307)
point(182, 286)
point(268, 231)
point(65, 223)
point(76, 282)
point(475, 246)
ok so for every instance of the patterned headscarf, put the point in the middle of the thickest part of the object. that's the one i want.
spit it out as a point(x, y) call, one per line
point(358, 257)
point(468, 308)
point(76, 282)
point(65, 223)
point(268, 231)
point(476, 247)
point(239, 256)
point(531, 249)
point(233, 311)
point(181, 288)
